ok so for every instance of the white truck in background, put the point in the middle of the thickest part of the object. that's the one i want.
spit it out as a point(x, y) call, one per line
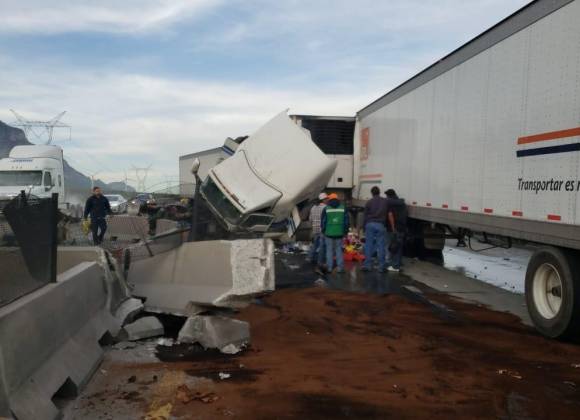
point(487, 140)
point(267, 178)
point(35, 169)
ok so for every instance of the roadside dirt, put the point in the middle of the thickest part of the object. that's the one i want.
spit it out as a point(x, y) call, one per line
point(319, 354)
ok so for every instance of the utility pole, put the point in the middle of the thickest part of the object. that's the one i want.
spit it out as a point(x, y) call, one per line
point(46, 127)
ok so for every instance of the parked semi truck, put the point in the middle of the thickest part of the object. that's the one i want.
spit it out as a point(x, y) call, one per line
point(35, 169)
point(268, 178)
point(487, 140)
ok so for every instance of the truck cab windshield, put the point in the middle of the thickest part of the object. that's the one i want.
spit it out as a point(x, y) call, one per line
point(20, 178)
point(220, 202)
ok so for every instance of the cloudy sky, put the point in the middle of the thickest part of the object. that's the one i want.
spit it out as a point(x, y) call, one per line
point(144, 81)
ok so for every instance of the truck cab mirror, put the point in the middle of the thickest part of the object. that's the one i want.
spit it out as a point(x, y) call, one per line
point(195, 166)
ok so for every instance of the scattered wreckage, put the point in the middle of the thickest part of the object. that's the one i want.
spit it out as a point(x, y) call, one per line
point(52, 339)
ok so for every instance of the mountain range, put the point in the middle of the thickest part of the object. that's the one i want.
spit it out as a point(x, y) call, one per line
point(74, 180)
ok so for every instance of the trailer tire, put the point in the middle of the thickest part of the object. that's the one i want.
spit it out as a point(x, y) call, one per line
point(553, 292)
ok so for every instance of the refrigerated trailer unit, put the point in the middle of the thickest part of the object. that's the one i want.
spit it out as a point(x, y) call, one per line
point(488, 140)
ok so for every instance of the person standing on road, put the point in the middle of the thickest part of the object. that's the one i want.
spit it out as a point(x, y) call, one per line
point(334, 224)
point(317, 253)
point(396, 229)
point(98, 207)
point(375, 215)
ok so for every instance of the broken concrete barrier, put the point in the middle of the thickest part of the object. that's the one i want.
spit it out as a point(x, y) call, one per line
point(215, 332)
point(128, 310)
point(146, 327)
point(50, 339)
point(210, 273)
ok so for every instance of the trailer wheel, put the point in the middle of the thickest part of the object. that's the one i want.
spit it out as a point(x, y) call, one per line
point(553, 292)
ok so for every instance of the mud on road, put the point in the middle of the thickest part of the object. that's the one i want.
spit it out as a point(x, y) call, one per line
point(322, 353)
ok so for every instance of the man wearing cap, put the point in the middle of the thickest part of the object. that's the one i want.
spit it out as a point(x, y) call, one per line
point(334, 224)
point(317, 249)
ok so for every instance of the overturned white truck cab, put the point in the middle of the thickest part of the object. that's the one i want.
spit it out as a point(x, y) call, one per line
point(268, 177)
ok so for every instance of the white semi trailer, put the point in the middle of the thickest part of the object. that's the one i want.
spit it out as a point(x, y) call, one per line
point(488, 140)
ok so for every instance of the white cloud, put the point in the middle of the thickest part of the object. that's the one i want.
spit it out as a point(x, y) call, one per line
point(119, 120)
point(353, 53)
point(120, 16)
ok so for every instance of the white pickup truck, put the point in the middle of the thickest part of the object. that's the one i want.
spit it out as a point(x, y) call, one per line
point(268, 177)
point(36, 169)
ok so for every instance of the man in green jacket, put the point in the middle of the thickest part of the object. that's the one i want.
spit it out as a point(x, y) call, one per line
point(334, 227)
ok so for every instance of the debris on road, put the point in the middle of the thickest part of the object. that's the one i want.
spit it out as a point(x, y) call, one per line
point(124, 345)
point(185, 395)
point(231, 349)
point(223, 376)
point(215, 332)
point(145, 327)
point(511, 373)
point(570, 383)
point(165, 342)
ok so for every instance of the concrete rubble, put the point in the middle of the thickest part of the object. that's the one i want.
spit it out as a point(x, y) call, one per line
point(216, 332)
point(145, 327)
point(197, 274)
point(128, 310)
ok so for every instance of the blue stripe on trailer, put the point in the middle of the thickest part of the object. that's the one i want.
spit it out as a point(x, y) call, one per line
point(564, 148)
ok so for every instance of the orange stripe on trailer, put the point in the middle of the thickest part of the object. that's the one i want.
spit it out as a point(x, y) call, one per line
point(371, 176)
point(552, 135)
point(517, 213)
point(488, 211)
point(554, 217)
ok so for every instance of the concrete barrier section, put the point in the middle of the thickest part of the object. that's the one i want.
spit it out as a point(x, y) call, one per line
point(49, 339)
point(216, 273)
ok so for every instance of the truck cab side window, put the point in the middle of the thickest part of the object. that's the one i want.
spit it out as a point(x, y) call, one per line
point(59, 181)
point(47, 179)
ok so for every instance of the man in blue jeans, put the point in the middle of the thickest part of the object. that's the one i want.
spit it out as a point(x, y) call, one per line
point(375, 217)
point(98, 207)
point(334, 227)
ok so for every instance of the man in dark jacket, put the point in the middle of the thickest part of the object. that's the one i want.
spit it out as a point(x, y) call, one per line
point(334, 225)
point(396, 229)
point(375, 232)
point(98, 207)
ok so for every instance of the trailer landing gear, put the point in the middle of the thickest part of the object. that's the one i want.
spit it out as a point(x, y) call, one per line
point(553, 292)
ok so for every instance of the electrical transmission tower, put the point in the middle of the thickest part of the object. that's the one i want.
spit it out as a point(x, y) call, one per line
point(127, 179)
point(42, 130)
point(141, 176)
